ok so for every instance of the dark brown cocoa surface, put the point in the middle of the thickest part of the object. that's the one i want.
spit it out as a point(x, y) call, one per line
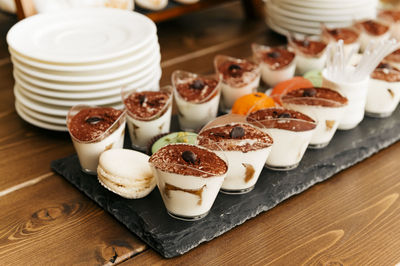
point(315, 96)
point(207, 163)
point(145, 104)
point(374, 27)
point(394, 57)
point(387, 73)
point(346, 34)
point(277, 58)
point(238, 74)
point(394, 15)
point(189, 93)
point(90, 123)
point(221, 138)
point(282, 119)
point(309, 47)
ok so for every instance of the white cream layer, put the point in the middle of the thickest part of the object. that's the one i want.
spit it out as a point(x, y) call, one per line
point(273, 77)
point(383, 97)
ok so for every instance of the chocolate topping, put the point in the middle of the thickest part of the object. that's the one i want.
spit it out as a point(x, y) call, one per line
point(374, 27)
point(145, 104)
point(278, 58)
point(394, 57)
point(170, 159)
point(285, 115)
point(315, 96)
point(270, 118)
point(189, 157)
point(198, 89)
point(308, 47)
point(90, 123)
point(346, 34)
point(234, 137)
point(394, 15)
point(238, 74)
point(386, 72)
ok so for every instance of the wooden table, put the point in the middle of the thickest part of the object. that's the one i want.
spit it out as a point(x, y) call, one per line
point(353, 218)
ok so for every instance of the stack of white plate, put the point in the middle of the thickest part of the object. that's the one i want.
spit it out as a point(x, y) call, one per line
point(80, 56)
point(305, 17)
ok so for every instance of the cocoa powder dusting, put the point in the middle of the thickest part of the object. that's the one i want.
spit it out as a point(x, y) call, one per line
point(301, 96)
point(309, 47)
point(90, 123)
point(277, 58)
point(207, 164)
point(394, 57)
point(374, 27)
point(347, 35)
point(145, 104)
point(387, 73)
point(238, 74)
point(189, 91)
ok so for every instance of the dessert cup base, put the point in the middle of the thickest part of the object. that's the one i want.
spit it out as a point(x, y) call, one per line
point(186, 218)
point(317, 146)
point(282, 168)
point(378, 115)
point(89, 172)
point(138, 148)
point(347, 126)
point(236, 192)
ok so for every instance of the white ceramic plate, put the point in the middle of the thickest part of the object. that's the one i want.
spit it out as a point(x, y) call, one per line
point(93, 76)
point(68, 103)
point(81, 35)
point(292, 28)
point(36, 122)
point(58, 120)
point(137, 55)
point(338, 4)
point(138, 81)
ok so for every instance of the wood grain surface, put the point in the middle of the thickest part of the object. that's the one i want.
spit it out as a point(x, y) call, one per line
point(351, 219)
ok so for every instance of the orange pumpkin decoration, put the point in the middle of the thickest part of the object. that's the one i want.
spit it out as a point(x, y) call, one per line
point(289, 85)
point(252, 102)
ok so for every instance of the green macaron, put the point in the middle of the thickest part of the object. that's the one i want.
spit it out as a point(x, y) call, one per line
point(175, 137)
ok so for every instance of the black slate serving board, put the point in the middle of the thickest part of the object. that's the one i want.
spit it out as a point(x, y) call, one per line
point(148, 219)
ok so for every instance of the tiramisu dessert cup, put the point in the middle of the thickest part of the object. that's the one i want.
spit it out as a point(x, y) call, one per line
point(356, 94)
point(349, 35)
point(149, 114)
point(197, 98)
point(310, 53)
point(94, 130)
point(394, 59)
point(324, 105)
point(392, 17)
point(239, 77)
point(372, 30)
point(188, 178)
point(291, 131)
point(277, 63)
point(245, 146)
point(383, 91)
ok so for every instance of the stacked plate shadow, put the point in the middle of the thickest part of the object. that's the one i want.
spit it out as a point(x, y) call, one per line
point(305, 17)
point(80, 56)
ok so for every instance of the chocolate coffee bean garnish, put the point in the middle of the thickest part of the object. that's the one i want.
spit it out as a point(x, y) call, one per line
point(234, 67)
point(236, 132)
point(384, 65)
point(274, 54)
point(275, 113)
point(284, 115)
point(142, 99)
point(334, 31)
point(198, 84)
point(93, 120)
point(189, 157)
point(309, 92)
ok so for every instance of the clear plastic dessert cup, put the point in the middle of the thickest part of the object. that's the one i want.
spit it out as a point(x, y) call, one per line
point(246, 148)
point(326, 112)
point(291, 135)
point(148, 114)
point(310, 53)
point(391, 17)
point(383, 97)
point(197, 98)
point(102, 134)
point(369, 32)
point(239, 77)
point(349, 35)
point(283, 67)
point(356, 94)
point(189, 178)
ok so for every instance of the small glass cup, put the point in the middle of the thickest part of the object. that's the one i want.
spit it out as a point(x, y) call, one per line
point(356, 94)
point(188, 193)
point(273, 74)
point(291, 137)
point(349, 44)
point(326, 112)
point(366, 36)
point(195, 113)
point(89, 151)
point(151, 122)
point(239, 77)
point(310, 53)
point(246, 157)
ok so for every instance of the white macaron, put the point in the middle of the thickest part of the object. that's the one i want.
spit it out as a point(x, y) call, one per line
point(126, 173)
